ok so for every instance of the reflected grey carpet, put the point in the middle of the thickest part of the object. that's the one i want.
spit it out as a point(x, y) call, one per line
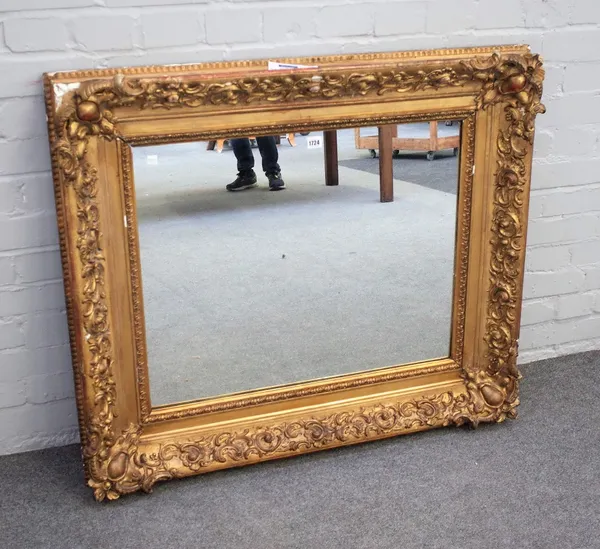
point(532, 483)
point(415, 168)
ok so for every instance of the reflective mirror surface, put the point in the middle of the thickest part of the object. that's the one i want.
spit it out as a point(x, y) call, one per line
point(255, 288)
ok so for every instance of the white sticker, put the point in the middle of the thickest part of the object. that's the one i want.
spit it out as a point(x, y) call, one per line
point(276, 66)
point(314, 142)
point(152, 160)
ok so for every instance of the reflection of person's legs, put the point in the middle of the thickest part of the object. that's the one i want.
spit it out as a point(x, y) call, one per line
point(243, 154)
point(270, 156)
point(245, 163)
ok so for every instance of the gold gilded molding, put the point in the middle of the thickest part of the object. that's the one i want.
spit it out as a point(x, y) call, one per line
point(464, 225)
point(167, 93)
point(78, 176)
point(137, 299)
point(119, 463)
point(126, 470)
point(358, 58)
point(339, 123)
point(516, 84)
point(67, 269)
point(207, 406)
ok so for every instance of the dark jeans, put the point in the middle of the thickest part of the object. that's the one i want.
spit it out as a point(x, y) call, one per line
point(268, 151)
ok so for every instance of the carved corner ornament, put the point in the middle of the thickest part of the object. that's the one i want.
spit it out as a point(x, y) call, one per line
point(113, 460)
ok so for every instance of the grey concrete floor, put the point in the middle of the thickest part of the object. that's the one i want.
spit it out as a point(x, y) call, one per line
point(531, 483)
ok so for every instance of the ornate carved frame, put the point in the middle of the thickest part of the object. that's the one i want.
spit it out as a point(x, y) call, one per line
point(95, 116)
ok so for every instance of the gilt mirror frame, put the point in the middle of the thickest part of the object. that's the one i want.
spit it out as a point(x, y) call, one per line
point(96, 116)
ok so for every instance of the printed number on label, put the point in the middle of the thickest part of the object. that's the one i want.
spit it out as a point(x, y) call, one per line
point(314, 142)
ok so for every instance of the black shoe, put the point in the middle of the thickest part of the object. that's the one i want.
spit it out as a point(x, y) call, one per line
point(244, 180)
point(275, 181)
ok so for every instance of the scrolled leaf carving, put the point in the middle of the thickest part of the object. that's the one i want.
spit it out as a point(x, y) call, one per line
point(124, 470)
point(172, 92)
point(516, 84)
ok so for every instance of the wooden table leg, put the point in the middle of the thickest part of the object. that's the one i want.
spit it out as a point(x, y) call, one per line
point(331, 158)
point(386, 167)
point(433, 136)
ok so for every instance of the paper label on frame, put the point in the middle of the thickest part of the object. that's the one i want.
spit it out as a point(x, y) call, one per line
point(275, 66)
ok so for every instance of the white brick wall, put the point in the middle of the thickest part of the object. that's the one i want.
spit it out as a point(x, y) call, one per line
point(229, 26)
point(561, 313)
point(30, 35)
point(190, 26)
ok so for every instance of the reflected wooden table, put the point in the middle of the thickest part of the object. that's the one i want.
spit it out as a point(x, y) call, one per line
point(386, 172)
point(219, 144)
point(386, 167)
